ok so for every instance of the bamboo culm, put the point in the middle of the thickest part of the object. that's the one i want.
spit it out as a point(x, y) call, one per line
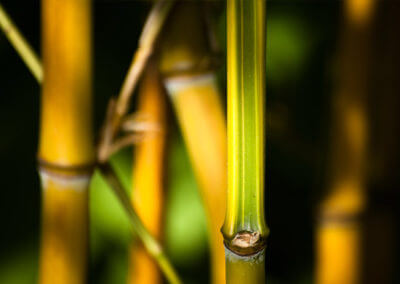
point(244, 229)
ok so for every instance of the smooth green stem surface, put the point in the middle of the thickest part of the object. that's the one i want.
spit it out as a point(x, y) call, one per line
point(150, 243)
point(246, 92)
point(245, 269)
point(23, 48)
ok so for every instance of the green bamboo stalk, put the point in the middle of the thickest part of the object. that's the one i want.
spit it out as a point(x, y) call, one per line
point(244, 229)
point(23, 48)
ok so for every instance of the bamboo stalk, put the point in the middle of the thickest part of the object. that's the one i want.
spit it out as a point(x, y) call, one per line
point(244, 229)
point(193, 90)
point(23, 48)
point(148, 175)
point(339, 231)
point(197, 104)
point(66, 150)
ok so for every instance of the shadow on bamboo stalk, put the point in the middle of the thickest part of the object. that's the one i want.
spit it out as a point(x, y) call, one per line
point(148, 172)
point(190, 80)
point(244, 229)
point(339, 229)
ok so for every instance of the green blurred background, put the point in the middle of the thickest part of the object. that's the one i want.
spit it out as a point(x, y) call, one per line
point(302, 40)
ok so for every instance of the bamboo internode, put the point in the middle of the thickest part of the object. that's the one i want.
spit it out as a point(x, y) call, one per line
point(201, 118)
point(244, 229)
point(66, 150)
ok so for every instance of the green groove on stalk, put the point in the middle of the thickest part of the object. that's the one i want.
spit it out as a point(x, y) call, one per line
point(244, 229)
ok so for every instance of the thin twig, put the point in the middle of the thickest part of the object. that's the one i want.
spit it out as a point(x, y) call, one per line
point(148, 240)
point(23, 48)
point(119, 107)
point(150, 32)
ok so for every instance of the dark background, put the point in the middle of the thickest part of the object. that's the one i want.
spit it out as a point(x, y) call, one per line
point(302, 41)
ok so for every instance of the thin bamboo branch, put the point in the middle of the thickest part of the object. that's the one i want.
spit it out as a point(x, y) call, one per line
point(148, 240)
point(149, 35)
point(23, 48)
point(151, 29)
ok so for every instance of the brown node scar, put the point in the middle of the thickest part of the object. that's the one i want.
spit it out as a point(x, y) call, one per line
point(246, 243)
point(246, 239)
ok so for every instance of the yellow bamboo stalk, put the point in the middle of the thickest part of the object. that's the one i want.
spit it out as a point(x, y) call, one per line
point(201, 118)
point(148, 175)
point(339, 231)
point(192, 87)
point(66, 151)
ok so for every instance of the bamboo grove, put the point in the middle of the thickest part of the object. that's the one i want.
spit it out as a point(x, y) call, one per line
point(174, 87)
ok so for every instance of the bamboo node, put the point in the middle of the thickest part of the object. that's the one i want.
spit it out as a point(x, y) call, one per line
point(246, 243)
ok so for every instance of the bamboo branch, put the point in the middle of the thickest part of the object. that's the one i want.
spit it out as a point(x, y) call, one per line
point(148, 240)
point(23, 48)
point(150, 32)
point(149, 35)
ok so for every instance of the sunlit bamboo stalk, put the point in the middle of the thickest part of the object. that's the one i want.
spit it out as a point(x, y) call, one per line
point(148, 174)
point(192, 86)
point(23, 48)
point(339, 230)
point(244, 229)
point(66, 150)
